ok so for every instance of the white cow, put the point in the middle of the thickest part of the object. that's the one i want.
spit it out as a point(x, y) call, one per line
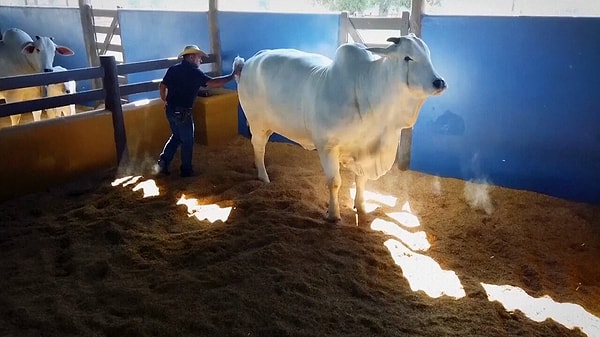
point(21, 55)
point(58, 89)
point(351, 109)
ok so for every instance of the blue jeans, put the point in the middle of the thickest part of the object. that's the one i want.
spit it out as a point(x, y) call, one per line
point(182, 133)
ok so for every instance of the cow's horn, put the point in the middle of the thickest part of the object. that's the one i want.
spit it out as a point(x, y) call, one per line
point(395, 40)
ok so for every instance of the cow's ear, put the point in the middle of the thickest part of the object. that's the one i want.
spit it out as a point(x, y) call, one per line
point(65, 51)
point(28, 49)
point(395, 40)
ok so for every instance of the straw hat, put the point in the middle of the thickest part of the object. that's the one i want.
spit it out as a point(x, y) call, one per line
point(192, 49)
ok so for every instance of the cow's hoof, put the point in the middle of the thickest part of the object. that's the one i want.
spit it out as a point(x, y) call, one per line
point(333, 219)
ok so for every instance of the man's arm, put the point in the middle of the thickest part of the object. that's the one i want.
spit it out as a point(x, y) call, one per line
point(163, 91)
point(220, 81)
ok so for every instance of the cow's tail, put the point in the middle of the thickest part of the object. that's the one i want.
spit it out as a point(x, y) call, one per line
point(238, 65)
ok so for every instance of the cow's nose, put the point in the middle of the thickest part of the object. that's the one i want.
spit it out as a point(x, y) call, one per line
point(68, 91)
point(439, 84)
point(48, 70)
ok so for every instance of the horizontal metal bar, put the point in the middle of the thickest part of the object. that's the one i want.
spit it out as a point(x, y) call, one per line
point(128, 68)
point(15, 108)
point(34, 80)
point(104, 12)
point(135, 88)
point(376, 23)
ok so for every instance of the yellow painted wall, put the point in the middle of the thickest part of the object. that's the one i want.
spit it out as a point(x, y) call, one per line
point(38, 155)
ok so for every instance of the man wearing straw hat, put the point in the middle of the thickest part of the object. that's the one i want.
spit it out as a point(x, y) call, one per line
point(178, 89)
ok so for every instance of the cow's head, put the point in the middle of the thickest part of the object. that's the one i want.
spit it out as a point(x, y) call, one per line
point(410, 56)
point(40, 53)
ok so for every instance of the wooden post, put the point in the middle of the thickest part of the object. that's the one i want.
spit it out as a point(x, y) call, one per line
point(215, 37)
point(343, 34)
point(416, 12)
point(89, 37)
point(112, 103)
point(405, 146)
point(405, 23)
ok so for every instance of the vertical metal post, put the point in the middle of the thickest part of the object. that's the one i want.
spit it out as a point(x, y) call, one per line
point(112, 103)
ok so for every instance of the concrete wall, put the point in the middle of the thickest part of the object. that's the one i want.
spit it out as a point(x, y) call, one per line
point(46, 153)
point(522, 108)
point(39, 155)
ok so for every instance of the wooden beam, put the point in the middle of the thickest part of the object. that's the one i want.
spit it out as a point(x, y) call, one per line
point(376, 23)
point(109, 36)
point(215, 37)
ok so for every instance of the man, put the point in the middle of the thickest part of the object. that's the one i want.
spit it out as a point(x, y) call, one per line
point(178, 90)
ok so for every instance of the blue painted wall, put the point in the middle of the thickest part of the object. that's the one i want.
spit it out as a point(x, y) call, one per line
point(244, 34)
point(149, 35)
point(522, 109)
point(43, 22)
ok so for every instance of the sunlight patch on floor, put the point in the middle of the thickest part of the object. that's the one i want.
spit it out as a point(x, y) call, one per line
point(416, 241)
point(120, 181)
point(210, 212)
point(406, 219)
point(132, 181)
point(421, 271)
point(539, 309)
point(424, 273)
point(375, 200)
point(148, 187)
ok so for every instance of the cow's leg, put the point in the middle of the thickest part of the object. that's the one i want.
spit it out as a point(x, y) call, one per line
point(13, 96)
point(52, 113)
point(359, 199)
point(37, 115)
point(331, 165)
point(15, 119)
point(259, 143)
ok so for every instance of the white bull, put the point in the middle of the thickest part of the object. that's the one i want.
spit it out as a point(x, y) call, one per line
point(63, 88)
point(351, 109)
point(21, 55)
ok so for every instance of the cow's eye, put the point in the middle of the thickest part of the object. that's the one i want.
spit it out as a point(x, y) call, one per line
point(408, 58)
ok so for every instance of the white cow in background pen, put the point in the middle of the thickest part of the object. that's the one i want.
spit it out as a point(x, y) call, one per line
point(21, 55)
point(351, 109)
point(57, 89)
